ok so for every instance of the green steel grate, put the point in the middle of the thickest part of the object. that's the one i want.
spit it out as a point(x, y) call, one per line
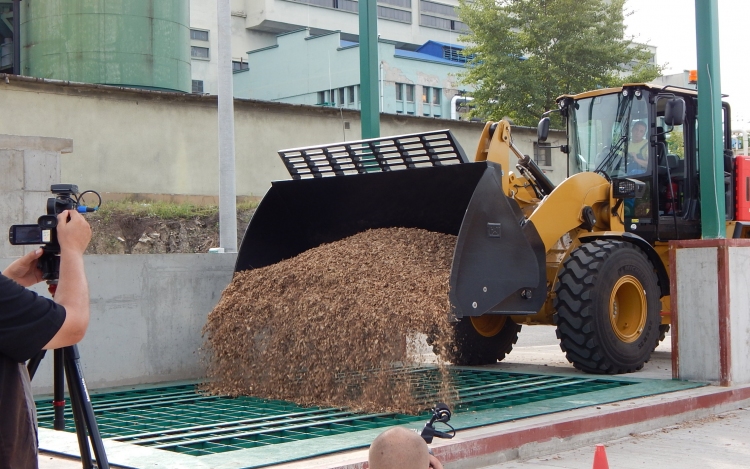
point(179, 419)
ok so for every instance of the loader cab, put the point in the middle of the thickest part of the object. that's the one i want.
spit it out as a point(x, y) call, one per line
point(630, 132)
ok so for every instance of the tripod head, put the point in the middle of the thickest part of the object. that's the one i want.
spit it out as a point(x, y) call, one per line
point(442, 414)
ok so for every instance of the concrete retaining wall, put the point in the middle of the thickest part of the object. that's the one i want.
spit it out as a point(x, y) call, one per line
point(28, 166)
point(147, 312)
point(146, 142)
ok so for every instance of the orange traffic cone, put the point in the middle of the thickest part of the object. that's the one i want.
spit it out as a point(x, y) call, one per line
point(600, 458)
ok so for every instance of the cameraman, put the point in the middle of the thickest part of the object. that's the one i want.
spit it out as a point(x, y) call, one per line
point(400, 448)
point(30, 323)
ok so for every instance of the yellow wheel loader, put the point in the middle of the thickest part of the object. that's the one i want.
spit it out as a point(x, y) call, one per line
point(588, 255)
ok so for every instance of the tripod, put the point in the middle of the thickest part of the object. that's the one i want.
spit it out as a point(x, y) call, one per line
point(67, 364)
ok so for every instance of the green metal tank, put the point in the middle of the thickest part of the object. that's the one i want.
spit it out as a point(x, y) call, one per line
point(136, 43)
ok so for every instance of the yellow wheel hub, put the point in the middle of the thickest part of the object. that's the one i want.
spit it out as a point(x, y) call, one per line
point(488, 325)
point(628, 309)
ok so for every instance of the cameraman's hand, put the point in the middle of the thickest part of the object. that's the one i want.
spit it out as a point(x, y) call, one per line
point(73, 232)
point(24, 270)
point(434, 463)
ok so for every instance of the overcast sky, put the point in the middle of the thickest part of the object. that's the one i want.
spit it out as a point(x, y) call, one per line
point(670, 26)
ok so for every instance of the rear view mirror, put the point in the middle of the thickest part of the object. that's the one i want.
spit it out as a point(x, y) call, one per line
point(674, 112)
point(542, 130)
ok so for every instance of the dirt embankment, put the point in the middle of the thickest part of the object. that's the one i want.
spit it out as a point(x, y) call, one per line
point(124, 233)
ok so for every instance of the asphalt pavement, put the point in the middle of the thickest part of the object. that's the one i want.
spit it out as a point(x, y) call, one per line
point(716, 442)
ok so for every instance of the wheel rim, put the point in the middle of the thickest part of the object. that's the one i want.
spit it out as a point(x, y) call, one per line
point(628, 309)
point(488, 325)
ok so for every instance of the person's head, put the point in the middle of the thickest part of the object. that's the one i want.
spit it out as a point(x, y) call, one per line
point(638, 131)
point(399, 448)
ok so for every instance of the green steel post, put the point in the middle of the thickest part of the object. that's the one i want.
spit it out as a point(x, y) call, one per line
point(368, 68)
point(710, 135)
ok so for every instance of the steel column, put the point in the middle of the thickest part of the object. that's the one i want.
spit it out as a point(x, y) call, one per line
point(16, 37)
point(368, 68)
point(710, 141)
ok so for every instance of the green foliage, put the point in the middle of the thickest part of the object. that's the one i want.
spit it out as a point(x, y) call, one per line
point(676, 143)
point(162, 210)
point(529, 52)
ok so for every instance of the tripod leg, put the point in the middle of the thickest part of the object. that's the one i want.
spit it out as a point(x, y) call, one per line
point(75, 404)
point(58, 401)
point(78, 391)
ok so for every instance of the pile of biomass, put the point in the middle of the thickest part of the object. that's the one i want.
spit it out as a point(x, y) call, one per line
point(329, 326)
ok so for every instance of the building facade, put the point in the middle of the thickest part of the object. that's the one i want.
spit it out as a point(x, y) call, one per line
point(407, 25)
point(323, 70)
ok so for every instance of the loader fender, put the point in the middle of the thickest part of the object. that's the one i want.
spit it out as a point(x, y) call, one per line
point(653, 256)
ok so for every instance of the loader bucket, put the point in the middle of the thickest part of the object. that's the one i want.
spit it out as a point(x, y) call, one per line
point(499, 259)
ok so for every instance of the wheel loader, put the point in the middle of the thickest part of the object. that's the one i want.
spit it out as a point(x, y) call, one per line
point(589, 255)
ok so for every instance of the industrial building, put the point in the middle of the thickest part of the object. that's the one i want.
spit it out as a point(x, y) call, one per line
point(256, 24)
point(323, 70)
point(138, 43)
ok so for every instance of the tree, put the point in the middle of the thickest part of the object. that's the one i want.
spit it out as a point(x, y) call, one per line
point(526, 53)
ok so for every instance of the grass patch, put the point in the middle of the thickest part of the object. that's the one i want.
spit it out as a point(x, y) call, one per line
point(163, 210)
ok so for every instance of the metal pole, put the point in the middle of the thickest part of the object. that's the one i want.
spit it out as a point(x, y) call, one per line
point(227, 189)
point(710, 141)
point(368, 68)
point(16, 37)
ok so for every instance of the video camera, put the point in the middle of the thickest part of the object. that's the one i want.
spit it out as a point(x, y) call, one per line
point(44, 232)
point(440, 413)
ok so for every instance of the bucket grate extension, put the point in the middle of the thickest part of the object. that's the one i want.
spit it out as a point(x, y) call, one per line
point(436, 148)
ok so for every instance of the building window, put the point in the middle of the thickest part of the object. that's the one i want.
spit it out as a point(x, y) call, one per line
point(440, 16)
point(198, 35)
point(398, 3)
point(346, 5)
point(321, 97)
point(542, 154)
point(341, 101)
point(359, 94)
point(239, 66)
point(394, 14)
point(399, 91)
point(425, 95)
point(351, 94)
point(436, 96)
point(199, 52)
point(332, 97)
point(198, 86)
point(409, 93)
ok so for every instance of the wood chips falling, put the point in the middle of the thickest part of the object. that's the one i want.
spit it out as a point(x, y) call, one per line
point(329, 326)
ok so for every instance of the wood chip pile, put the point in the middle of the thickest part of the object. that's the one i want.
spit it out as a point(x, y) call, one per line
point(328, 326)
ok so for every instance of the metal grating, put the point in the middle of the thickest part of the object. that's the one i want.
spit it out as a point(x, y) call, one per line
point(179, 419)
point(436, 148)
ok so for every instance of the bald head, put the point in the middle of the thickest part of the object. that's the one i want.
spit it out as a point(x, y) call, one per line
point(399, 448)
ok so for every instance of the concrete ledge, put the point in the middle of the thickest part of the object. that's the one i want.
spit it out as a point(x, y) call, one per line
point(552, 433)
point(20, 142)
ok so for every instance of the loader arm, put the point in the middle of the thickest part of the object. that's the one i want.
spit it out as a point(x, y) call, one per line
point(522, 178)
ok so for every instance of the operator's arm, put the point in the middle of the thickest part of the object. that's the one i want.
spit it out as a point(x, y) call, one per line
point(73, 234)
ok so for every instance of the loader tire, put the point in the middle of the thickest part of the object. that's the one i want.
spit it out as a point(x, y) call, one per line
point(607, 307)
point(663, 329)
point(482, 340)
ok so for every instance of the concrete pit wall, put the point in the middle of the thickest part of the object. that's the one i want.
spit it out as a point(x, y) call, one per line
point(147, 312)
point(144, 142)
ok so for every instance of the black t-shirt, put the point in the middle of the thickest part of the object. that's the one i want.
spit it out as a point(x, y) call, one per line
point(27, 323)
